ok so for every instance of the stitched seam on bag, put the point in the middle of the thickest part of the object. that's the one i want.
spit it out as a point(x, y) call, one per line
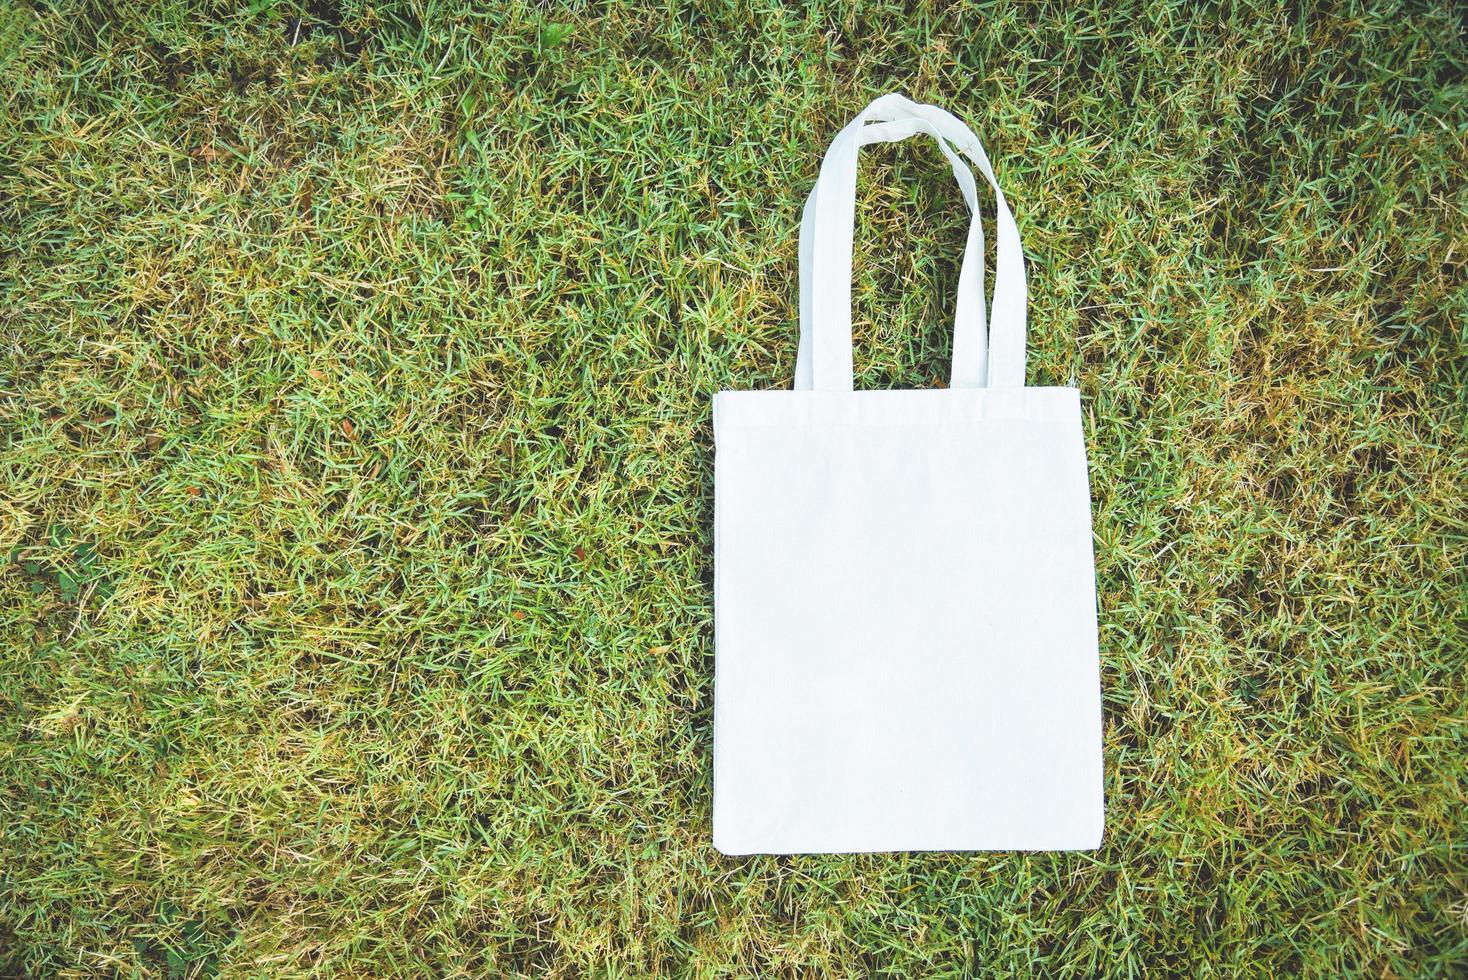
point(850, 409)
point(807, 423)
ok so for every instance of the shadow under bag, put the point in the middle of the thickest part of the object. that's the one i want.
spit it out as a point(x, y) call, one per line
point(905, 594)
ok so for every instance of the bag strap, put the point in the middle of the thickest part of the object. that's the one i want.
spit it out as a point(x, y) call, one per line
point(826, 230)
point(969, 340)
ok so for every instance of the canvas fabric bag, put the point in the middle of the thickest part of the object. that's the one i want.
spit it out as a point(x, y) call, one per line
point(905, 598)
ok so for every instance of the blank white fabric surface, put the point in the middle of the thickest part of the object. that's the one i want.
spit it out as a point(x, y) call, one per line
point(905, 618)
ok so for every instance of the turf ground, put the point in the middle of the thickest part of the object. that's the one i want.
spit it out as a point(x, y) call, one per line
point(355, 476)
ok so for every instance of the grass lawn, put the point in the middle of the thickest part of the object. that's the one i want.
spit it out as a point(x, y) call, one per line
point(356, 476)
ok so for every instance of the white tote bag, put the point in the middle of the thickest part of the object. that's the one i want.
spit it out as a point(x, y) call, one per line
point(905, 595)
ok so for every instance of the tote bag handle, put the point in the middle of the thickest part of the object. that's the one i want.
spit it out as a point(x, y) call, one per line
point(826, 231)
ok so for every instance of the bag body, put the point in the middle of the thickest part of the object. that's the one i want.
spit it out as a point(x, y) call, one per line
point(905, 600)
